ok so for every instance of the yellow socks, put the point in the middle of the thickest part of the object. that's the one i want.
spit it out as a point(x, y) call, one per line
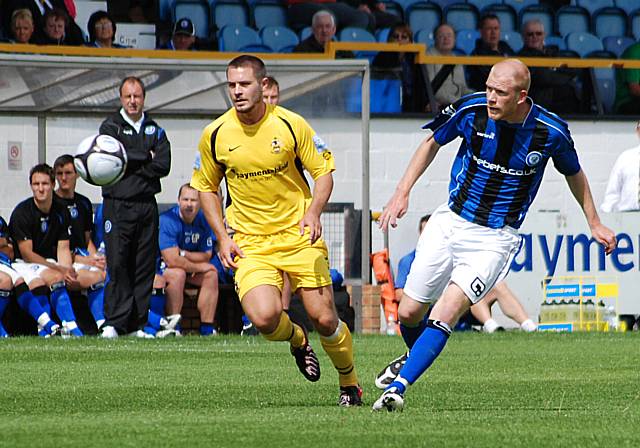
point(339, 348)
point(288, 331)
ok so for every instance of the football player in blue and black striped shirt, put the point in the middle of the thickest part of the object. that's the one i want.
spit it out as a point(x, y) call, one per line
point(469, 242)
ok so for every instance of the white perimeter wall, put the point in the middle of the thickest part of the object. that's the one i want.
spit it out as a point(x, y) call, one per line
point(392, 144)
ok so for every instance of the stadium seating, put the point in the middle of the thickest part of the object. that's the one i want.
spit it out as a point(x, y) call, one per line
point(382, 34)
point(353, 34)
point(461, 16)
point(627, 5)
point(572, 19)
point(617, 44)
point(393, 7)
point(197, 11)
point(228, 12)
point(278, 37)
point(255, 48)
point(519, 5)
point(556, 41)
point(606, 85)
point(423, 16)
point(539, 12)
point(609, 22)
point(444, 3)
point(583, 43)
point(506, 14)
point(305, 32)
point(424, 36)
point(634, 22)
point(165, 9)
point(466, 40)
point(513, 38)
point(269, 13)
point(234, 37)
point(593, 5)
point(481, 4)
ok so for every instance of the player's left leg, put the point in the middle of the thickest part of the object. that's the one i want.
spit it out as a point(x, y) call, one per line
point(336, 340)
point(93, 281)
point(5, 293)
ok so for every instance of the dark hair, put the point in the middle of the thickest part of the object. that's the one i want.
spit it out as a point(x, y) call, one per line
point(182, 187)
point(42, 168)
point(486, 17)
point(402, 27)
point(91, 24)
point(271, 82)
point(259, 70)
point(63, 160)
point(57, 13)
point(132, 79)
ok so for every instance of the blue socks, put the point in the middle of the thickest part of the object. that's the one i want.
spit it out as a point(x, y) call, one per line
point(95, 294)
point(62, 304)
point(425, 350)
point(207, 329)
point(4, 302)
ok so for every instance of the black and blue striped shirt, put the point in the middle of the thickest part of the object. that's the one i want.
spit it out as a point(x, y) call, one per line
point(499, 166)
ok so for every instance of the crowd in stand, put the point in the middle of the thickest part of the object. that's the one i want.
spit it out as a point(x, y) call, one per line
point(51, 22)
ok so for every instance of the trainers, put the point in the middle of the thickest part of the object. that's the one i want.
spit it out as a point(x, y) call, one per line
point(172, 322)
point(391, 399)
point(248, 329)
point(389, 373)
point(141, 334)
point(350, 396)
point(166, 333)
point(307, 360)
point(108, 332)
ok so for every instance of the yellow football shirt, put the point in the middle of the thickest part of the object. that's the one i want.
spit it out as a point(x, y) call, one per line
point(263, 166)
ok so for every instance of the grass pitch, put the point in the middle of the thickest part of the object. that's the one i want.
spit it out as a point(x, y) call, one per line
point(509, 389)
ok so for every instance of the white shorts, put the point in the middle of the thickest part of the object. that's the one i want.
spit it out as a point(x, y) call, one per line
point(30, 271)
point(452, 249)
point(15, 276)
point(84, 267)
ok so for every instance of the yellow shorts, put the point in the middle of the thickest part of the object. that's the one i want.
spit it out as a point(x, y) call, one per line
point(267, 256)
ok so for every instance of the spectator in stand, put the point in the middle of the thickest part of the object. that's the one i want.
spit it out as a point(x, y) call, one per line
point(271, 93)
point(39, 226)
point(489, 44)
point(550, 88)
point(414, 96)
point(22, 26)
point(186, 245)
point(323, 26)
point(102, 31)
point(183, 37)
point(623, 188)
point(628, 84)
point(38, 9)
point(447, 81)
point(56, 23)
point(301, 13)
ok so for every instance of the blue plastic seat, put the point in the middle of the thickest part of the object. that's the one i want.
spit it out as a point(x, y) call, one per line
point(423, 16)
point(234, 37)
point(583, 43)
point(461, 16)
point(617, 44)
point(481, 4)
point(538, 12)
point(255, 48)
point(269, 13)
point(466, 40)
point(513, 38)
point(424, 36)
point(505, 13)
point(394, 7)
point(444, 3)
point(278, 37)
point(382, 35)
point(634, 22)
point(353, 34)
point(165, 9)
point(230, 13)
point(197, 11)
point(572, 19)
point(519, 5)
point(305, 32)
point(606, 85)
point(609, 22)
point(556, 41)
point(627, 5)
point(593, 5)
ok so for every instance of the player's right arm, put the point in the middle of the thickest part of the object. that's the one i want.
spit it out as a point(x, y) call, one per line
point(399, 202)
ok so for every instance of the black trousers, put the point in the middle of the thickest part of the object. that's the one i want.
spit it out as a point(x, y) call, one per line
point(131, 243)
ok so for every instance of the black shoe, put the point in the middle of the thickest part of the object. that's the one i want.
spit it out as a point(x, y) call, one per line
point(307, 360)
point(390, 372)
point(350, 396)
point(500, 329)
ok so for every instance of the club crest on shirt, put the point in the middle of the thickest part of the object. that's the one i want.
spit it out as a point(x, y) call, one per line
point(150, 130)
point(73, 211)
point(276, 147)
point(533, 158)
point(319, 143)
point(44, 224)
point(107, 226)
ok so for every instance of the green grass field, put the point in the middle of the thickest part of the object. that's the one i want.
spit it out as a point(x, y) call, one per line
point(500, 390)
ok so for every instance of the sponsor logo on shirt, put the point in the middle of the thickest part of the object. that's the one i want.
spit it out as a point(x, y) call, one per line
point(150, 130)
point(503, 169)
point(127, 132)
point(267, 173)
point(489, 136)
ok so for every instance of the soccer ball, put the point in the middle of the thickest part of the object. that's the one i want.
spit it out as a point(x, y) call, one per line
point(100, 160)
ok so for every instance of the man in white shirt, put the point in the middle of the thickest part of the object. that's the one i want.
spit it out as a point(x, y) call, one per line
point(623, 189)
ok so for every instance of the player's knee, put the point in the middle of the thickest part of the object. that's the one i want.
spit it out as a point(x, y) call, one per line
point(5, 281)
point(326, 323)
point(36, 283)
point(175, 275)
point(266, 324)
point(409, 314)
point(54, 277)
